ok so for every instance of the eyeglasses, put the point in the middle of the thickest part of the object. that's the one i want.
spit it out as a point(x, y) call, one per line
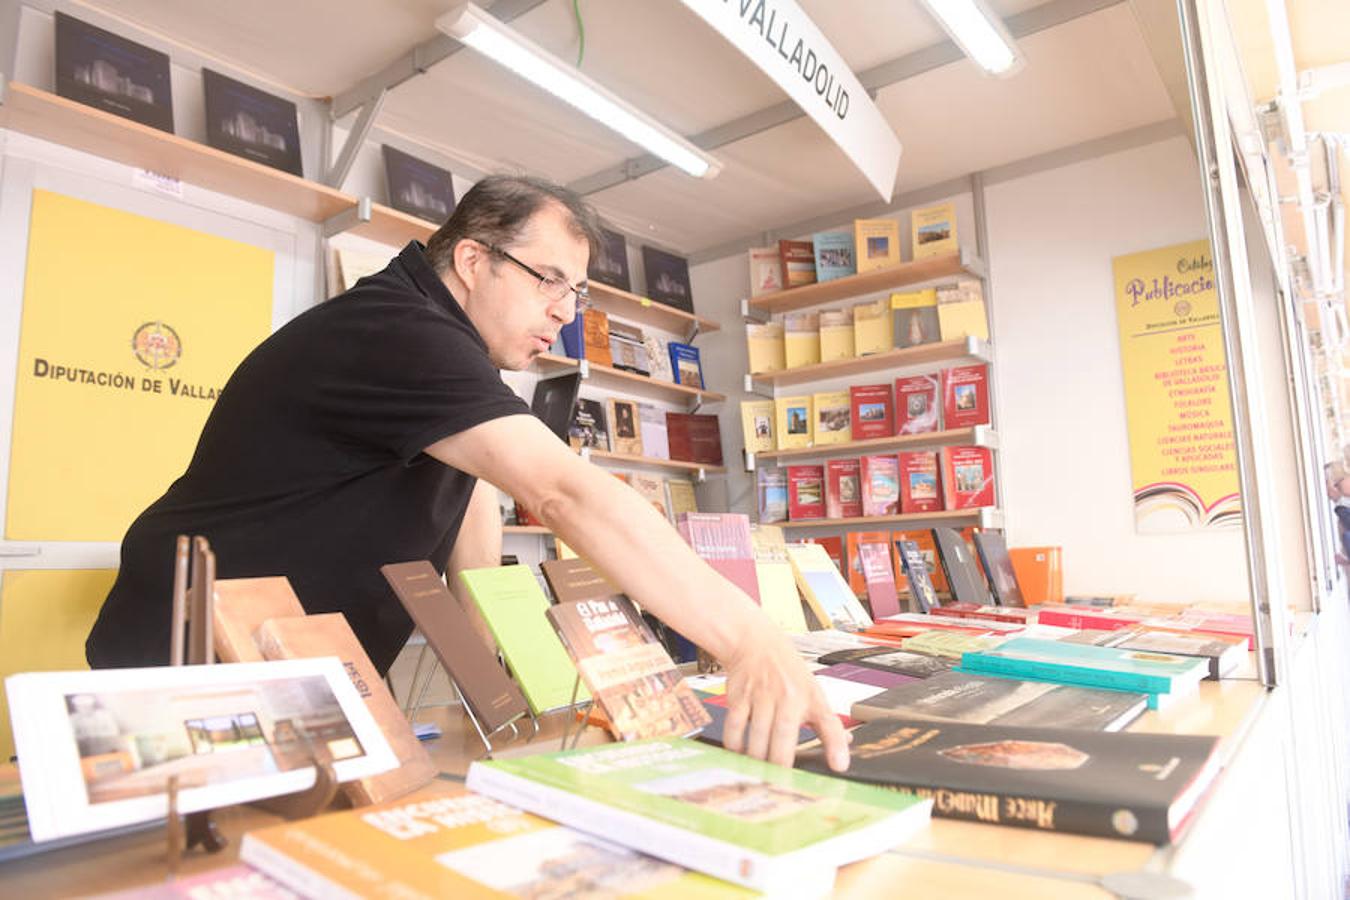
point(554, 289)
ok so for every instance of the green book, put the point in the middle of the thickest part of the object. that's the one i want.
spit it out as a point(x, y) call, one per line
point(749, 822)
point(513, 605)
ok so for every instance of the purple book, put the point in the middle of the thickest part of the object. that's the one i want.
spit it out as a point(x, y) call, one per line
point(866, 675)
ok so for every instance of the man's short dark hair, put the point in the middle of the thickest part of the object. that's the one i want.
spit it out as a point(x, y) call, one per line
point(496, 209)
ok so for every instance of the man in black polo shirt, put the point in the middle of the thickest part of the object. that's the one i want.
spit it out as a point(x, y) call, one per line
point(373, 428)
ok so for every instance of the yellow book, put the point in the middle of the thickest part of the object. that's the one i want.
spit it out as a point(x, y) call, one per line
point(765, 348)
point(680, 496)
point(872, 328)
point(757, 425)
point(778, 595)
point(801, 339)
point(836, 335)
point(960, 310)
point(833, 425)
point(878, 243)
point(832, 601)
point(933, 231)
point(916, 318)
point(793, 422)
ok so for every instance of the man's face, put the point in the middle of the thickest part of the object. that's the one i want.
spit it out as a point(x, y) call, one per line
point(515, 318)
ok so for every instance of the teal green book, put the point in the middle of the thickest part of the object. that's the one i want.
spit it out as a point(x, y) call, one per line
point(749, 822)
point(513, 605)
point(1089, 666)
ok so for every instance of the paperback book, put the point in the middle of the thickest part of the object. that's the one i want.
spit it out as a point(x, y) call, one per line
point(831, 600)
point(1090, 666)
point(771, 489)
point(652, 489)
point(241, 607)
point(836, 335)
point(889, 659)
point(833, 255)
point(872, 331)
point(694, 437)
point(766, 350)
point(658, 359)
point(854, 542)
point(588, 427)
point(801, 339)
point(843, 495)
point(833, 418)
point(766, 273)
point(798, 259)
point(919, 490)
point(959, 568)
point(680, 497)
point(933, 230)
point(882, 598)
point(628, 348)
point(793, 422)
point(916, 567)
point(872, 411)
point(722, 540)
point(967, 477)
point(965, 396)
point(653, 432)
point(992, 550)
point(916, 404)
point(1224, 654)
point(553, 402)
point(806, 492)
point(880, 485)
point(757, 426)
point(623, 416)
point(684, 362)
point(916, 318)
point(595, 332)
point(961, 311)
point(877, 242)
point(777, 588)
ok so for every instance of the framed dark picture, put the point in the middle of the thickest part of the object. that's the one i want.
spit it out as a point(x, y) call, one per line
point(668, 279)
point(111, 73)
point(247, 122)
point(418, 188)
point(610, 263)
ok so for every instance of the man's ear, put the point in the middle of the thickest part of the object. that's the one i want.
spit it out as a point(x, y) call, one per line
point(469, 258)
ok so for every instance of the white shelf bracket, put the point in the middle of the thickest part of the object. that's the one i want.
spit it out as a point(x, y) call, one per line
point(347, 219)
point(586, 454)
point(754, 387)
point(693, 333)
point(749, 461)
point(753, 315)
point(702, 475)
point(584, 367)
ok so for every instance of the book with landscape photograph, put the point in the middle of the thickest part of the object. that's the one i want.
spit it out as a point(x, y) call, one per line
point(417, 187)
point(610, 265)
point(667, 279)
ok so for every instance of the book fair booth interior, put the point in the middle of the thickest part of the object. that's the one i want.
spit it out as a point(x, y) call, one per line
point(995, 347)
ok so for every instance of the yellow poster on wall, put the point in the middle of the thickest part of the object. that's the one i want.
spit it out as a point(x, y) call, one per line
point(130, 328)
point(1182, 457)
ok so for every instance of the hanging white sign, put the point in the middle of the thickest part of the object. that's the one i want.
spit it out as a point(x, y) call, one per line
point(788, 47)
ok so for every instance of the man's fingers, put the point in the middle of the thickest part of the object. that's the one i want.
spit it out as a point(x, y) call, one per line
point(733, 733)
point(783, 740)
point(832, 736)
point(761, 728)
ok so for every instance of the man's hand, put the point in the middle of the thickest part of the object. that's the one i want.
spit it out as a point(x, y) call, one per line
point(770, 691)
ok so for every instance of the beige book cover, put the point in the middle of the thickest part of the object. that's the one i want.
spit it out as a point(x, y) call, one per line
point(836, 335)
point(680, 497)
point(778, 595)
point(801, 339)
point(623, 426)
point(765, 347)
point(766, 271)
point(793, 418)
point(878, 243)
point(960, 309)
point(757, 425)
point(595, 328)
point(240, 608)
point(653, 490)
point(872, 332)
point(833, 422)
point(933, 231)
point(305, 637)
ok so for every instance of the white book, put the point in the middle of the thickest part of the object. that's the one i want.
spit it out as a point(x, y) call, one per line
point(652, 424)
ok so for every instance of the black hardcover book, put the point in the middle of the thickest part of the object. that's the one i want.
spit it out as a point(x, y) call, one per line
point(610, 264)
point(916, 572)
point(1142, 787)
point(588, 426)
point(964, 579)
point(668, 279)
point(998, 568)
point(247, 122)
point(712, 732)
point(553, 402)
point(887, 659)
point(418, 188)
point(108, 72)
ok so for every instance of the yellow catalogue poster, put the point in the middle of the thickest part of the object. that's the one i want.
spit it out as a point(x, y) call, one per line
point(1182, 456)
point(130, 328)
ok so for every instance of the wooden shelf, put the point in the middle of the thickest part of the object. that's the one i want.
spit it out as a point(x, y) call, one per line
point(525, 529)
point(548, 363)
point(676, 464)
point(978, 436)
point(49, 117)
point(389, 226)
point(903, 275)
point(984, 517)
point(644, 311)
point(924, 354)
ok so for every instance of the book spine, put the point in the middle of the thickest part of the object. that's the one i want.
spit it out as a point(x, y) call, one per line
point(1065, 673)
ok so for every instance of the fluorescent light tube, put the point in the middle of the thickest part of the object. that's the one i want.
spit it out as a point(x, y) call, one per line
point(475, 28)
point(979, 33)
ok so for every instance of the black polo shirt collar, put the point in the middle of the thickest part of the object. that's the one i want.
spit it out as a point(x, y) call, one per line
point(413, 259)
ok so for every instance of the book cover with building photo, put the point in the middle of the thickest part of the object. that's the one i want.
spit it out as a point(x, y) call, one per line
point(933, 231)
point(109, 72)
point(628, 348)
point(668, 279)
point(916, 404)
point(843, 493)
point(418, 188)
point(623, 418)
point(833, 411)
point(967, 477)
point(877, 243)
point(247, 122)
point(919, 481)
point(610, 265)
point(806, 492)
point(793, 421)
point(687, 365)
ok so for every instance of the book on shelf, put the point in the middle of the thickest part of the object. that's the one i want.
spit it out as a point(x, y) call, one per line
point(588, 428)
point(240, 608)
point(652, 489)
point(961, 697)
point(798, 260)
point(967, 477)
point(917, 409)
point(595, 329)
point(680, 497)
point(750, 822)
point(880, 485)
point(653, 432)
point(627, 670)
point(1040, 573)
point(554, 400)
point(667, 279)
point(959, 568)
point(911, 561)
point(757, 426)
point(872, 329)
point(916, 318)
point(806, 492)
point(882, 598)
point(658, 359)
point(722, 540)
point(833, 255)
point(853, 543)
point(765, 348)
point(833, 417)
point(771, 493)
point(919, 489)
point(685, 364)
point(628, 348)
point(889, 659)
point(1143, 787)
point(609, 265)
point(513, 604)
point(933, 231)
point(843, 494)
point(801, 339)
point(264, 128)
point(872, 411)
point(766, 272)
point(328, 634)
point(777, 587)
point(623, 419)
point(831, 600)
point(992, 550)
point(961, 311)
point(877, 242)
point(416, 187)
point(836, 335)
point(113, 74)
point(694, 437)
point(573, 336)
point(965, 396)
point(793, 421)
point(458, 844)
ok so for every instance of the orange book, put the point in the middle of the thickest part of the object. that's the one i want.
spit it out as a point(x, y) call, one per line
point(1040, 573)
point(240, 608)
point(595, 326)
point(856, 581)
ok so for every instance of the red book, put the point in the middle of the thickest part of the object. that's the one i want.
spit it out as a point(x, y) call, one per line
point(965, 396)
point(1085, 617)
point(919, 489)
point(916, 404)
point(880, 485)
point(1209, 622)
point(843, 494)
point(806, 492)
point(1015, 615)
point(797, 263)
point(857, 582)
point(967, 477)
point(834, 548)
point(880, 579)
point(722, 540)
point(873, 411)
point(694, 438)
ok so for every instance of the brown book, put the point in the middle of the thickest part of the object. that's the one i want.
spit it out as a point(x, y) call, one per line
point(798, 261)
point(241, 606)
point(303, 637)
point(595, 325)
point(574, 579)
point(492, 696)
point(694, 437)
